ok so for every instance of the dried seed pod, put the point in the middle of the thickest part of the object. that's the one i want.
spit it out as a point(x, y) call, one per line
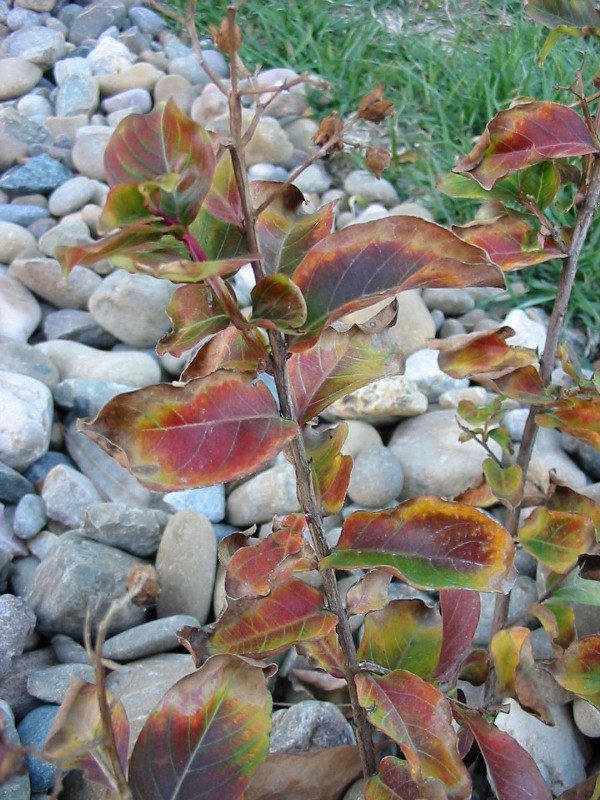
point(377, 159)
point(223, 37)
point(373, 107)
point(330, 128)
point(146, 578)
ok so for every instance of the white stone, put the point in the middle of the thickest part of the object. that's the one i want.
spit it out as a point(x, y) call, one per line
point(260, 498)
point(67, 494)
point(587, 717)
point(548, 456)
point(14, 241)
point(423, 370)
point(528, 332)
point(20, 313)
point(25, 421)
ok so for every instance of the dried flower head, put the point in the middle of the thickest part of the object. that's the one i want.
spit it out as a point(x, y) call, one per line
point(330, 130)
point(373, 107)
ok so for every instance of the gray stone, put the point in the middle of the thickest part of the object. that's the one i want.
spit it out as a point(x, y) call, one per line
point(109, 56)
point(33, 731)
point(452, 302)
point(260, 498)
point(30, 516)
point(451, 327)
point(44, 277)
point(138, 99)
point(360, 436)
point(309, 725)
point(40, 468)
point(135, 530)
point(363, 184)
point(23, 215)
point(146, 20)
point(68, 232)
point(209, 501)
point(26, 419)
point(139, 76)
point(68, 651)
point(85, 397)
point(17, 76)
point(77, 94)
point(67, 494)
point(269, 144)
point(72, 195)
point(88, 151)
point(423, 370)
point(474, 394)
point(380, 402)
point(301, 133)
point(40, 175)
point(13, 688)
point(149, 639)
point(523, 594)
point(132, 307)
point(15, 240)
point(585, 455)
point(90, 575)
point(13, 486)
point(587, 718)
point(77, 326)
point(74, 360)
point(313, 179)
point(376, 478)
point(177, 87)
point(548, 456)
point(432, 457)
point(42, 46)
point(36, 106)
point(141, 684)
point(186, 563)
point(188, 67)
point(16, 623)
point(556, 750)
point(17, 127)
point(95, 19)
point(20, 312)
point(51, 683)
point(17, 787)
point(11, 151)
point(23, 17)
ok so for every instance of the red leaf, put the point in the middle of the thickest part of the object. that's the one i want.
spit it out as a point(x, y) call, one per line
point(512, 772)
point(557, 538)
point(579, 668)
point(578, 417)
point(277, 303)
point(195, 313)
point(211, 430)
point(325, 653)
point(393, 782)
point(509, 241)
point(210, 730)
point(338, 364)
point(361, 264)
point(483, 352)
point(230, 349)
point(223, 198)
point(330, 469)
point(460, 616)
point(416, 716)
point(430, 543)
point(523, 135)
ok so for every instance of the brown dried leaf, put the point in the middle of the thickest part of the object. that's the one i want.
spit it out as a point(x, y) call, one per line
point(377, 160)
point(373, 107)
point(330, 129)
point(223, 37)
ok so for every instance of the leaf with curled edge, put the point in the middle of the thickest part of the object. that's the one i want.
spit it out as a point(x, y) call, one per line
point(558, 620)
point(223, 200)
point(76, 737)
point(563, 498)
point(393, 782)
point(252, 571)
point(523, 384)
point(278, 304)
point(337, 364)
point(578, 670)
point(324, 653)
point(418, 718)
point(461, 610)
point(211, 430)
point(406, 634)
point(431, 544)
point(482, 352)
point(263, 626)
point(516, 671)
point(362, 264)
point(330, 469)
point(505, 482)
point(557, 538)
point(524, 135)
point(370, 593)
point(195, 312)
point(210, 729)
point(579, 417)
point(581, 14)
point(284, 235)
point(509, 241)
point(165, 141)
point(125, 205)
point(229, 349)
point(512, 772)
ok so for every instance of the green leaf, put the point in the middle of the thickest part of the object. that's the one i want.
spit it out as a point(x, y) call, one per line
point(330, 469)
point(505, 482)
point(431, 544)
point(362, 264)
point(524, 135)
point(541, 182)
point(211, 729)
point(165, 141)
point(277, 303)
point(575, 589)
point(579, 668)
point(557, 538)
point(211, 430)
point(406, 634)
point(418, 718)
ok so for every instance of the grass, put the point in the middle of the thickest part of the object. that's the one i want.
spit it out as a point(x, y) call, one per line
point(448, 66)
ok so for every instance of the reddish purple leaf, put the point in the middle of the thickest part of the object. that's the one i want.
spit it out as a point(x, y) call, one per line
point(482, 353)
point(361, 264)
point(460, 616)
point(325, 653)
point(210, 730)
point(223, 198)
point(512, 772)
point(578, 417)
point(277, 303)
point(393, 782)
point(195, 313)
point(526, 134)
point(231, 349)
point(211, 430)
